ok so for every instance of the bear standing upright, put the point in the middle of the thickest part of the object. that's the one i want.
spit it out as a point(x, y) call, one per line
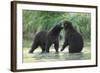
point(73, 39)
point(45, 39)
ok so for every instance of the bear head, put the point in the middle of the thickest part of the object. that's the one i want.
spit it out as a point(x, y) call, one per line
point(67, 25)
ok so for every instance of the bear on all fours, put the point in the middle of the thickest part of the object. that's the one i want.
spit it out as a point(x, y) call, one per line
point(73, 39)
point(44, 39)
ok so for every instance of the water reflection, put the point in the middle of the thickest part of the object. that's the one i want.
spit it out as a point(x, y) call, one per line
point(74, 56)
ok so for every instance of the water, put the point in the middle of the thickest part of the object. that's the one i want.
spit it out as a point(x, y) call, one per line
point(60, 57)
point(52, 56)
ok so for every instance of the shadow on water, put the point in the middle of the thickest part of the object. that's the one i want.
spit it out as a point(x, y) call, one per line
point(73, 56)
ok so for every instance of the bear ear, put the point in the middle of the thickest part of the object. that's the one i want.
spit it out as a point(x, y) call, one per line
point(61, 24)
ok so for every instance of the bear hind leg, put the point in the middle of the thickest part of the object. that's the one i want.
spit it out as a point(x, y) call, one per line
point(34, 46)
point(74, 50)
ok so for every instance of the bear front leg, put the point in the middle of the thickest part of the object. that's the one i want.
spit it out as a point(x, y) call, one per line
point(64, 45)
point(56, 45)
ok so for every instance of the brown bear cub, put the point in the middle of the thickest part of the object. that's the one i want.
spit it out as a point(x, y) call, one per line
point(73, 39)
point(44, 39)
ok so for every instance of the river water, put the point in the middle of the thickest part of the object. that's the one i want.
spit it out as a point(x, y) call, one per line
point(52, 56)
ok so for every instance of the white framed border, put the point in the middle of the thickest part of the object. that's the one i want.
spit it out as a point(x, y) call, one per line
point(43, 7)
